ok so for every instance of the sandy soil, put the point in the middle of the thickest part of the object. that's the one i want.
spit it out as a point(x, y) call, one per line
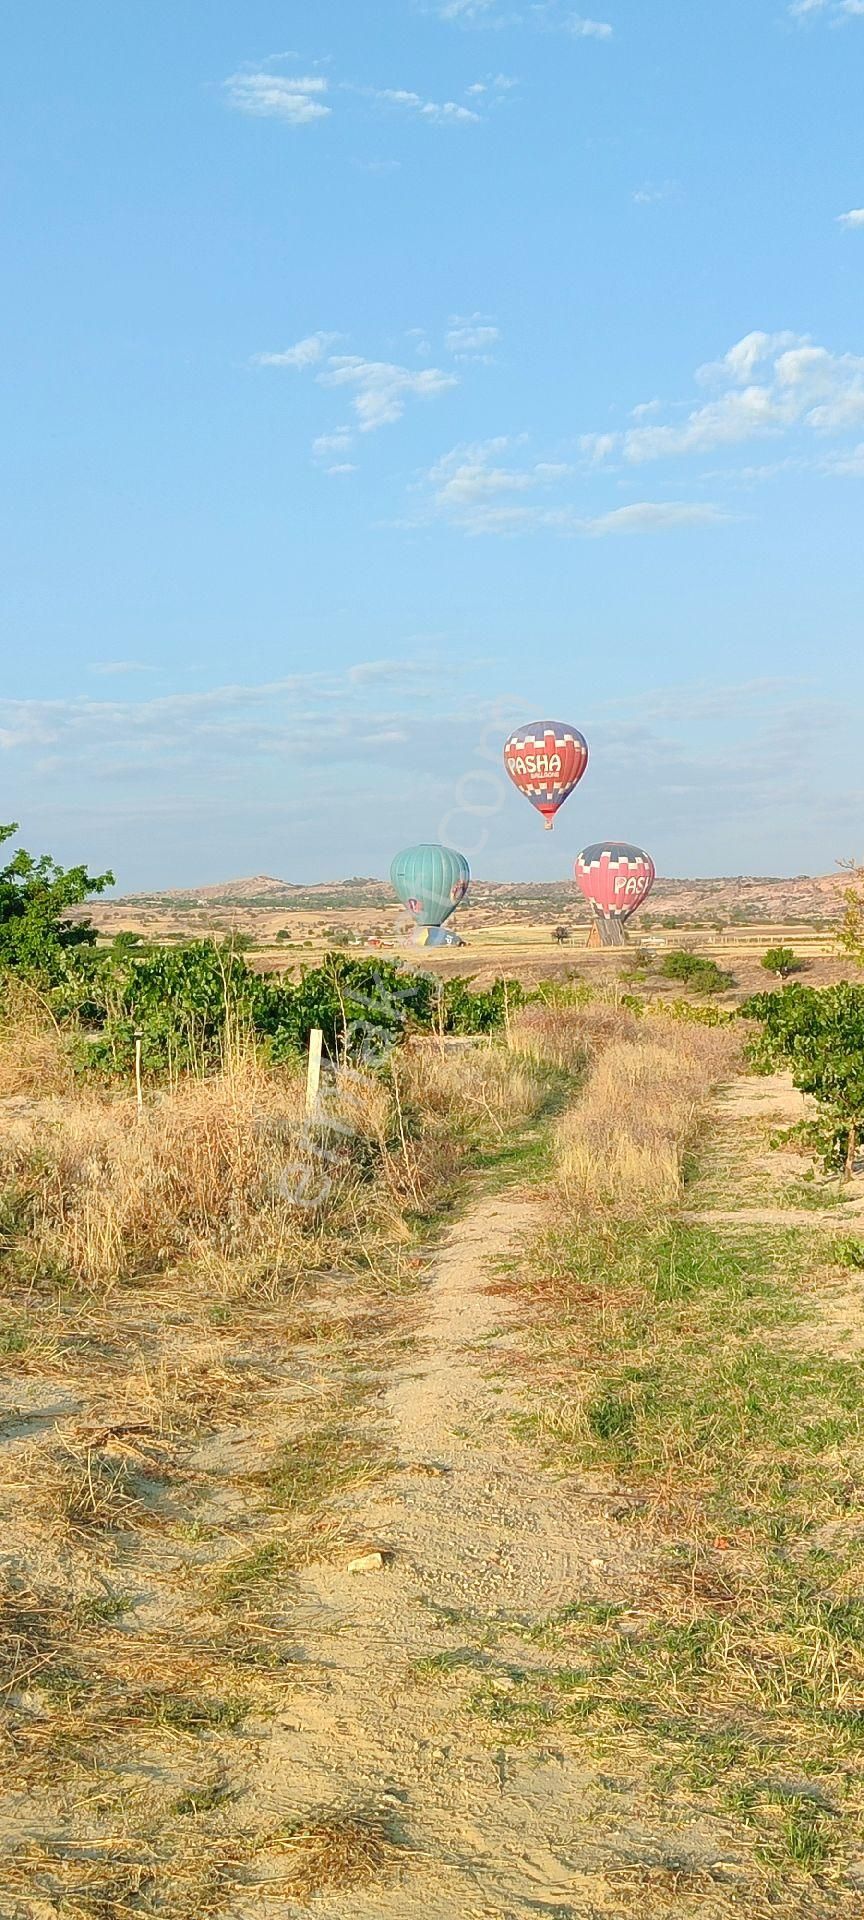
point(469, 1526)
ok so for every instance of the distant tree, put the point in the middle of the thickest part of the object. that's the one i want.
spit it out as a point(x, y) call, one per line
point(850, 934)
point(781, 961)
point(703, 975)
point(561, 935)
point(35, 897)
point(283, 934)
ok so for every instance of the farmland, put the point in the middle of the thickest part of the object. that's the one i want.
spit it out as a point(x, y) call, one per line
point(443, 1494)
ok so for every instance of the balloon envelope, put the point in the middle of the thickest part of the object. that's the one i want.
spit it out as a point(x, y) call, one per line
point(546, 760)
point(431, 882)
point(615, 877)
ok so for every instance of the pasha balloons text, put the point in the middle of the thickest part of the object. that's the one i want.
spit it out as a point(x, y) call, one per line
point(546, 760)
point(616, 878)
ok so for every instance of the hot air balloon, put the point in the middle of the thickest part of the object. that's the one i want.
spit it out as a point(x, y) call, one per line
point(615, 878)
point(431, 882)
point(546, 760)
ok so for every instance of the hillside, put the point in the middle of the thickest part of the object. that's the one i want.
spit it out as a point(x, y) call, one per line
point(739, 899)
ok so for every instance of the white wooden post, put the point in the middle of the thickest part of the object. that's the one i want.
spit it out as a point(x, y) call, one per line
point(313, 1074)
point(139, 1092)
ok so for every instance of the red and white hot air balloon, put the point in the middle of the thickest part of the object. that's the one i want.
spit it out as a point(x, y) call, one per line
point(615, 878)
point(546, 760)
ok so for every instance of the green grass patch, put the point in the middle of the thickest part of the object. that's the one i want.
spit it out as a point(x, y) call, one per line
point(321, 1463)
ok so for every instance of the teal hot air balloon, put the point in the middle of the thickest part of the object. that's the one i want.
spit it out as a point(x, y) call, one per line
point(431, 882)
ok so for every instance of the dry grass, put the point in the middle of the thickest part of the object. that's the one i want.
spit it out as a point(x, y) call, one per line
point(339, 1850)
point(182, 1320)
point(226, 1172)
point(624, 1143)
point(34, 1057)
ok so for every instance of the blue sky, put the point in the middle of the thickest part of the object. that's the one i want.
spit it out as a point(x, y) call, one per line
point(379, 377)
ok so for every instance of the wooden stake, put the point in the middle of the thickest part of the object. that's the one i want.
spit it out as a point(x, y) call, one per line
point(139, 1091)
point(313, 1075)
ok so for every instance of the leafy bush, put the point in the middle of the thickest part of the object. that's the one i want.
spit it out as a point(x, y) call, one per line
point(693, 970)
point(818, 1032)
point(35, 895)
point(480, 1012)
point(781, 961)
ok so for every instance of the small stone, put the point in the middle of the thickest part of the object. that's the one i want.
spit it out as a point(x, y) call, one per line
point(366, 1563)
point(599, 1566)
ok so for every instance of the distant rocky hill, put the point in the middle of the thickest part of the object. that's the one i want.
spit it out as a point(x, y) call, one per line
point(739, 899)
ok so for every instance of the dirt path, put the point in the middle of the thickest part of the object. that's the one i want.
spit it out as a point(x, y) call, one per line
point(473, 1528)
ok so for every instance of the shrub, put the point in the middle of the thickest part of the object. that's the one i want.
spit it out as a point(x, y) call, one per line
point(480, 1012)
point(35, 895)
point(703, 975)
point(781, 961)
point(818, 1032)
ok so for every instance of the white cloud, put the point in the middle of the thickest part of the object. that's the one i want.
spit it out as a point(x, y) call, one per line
point(652, 192)
point(849, 465)
point(835, 11)
point(769, 384)
point(438, 112)
point(297, 99)
point(218, 725)
point(654, 516)
point(381, 388)
point(583, 29)
point(112, 667)
point(854, 218)
point(306, 353)
point(479, 489)
point(471, 337)
point(552, 15)
point(328, 444)
point(467, 10)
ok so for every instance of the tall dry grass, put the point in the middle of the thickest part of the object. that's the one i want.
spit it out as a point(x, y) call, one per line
point(34, 1057)
point(623, 1144)
point(226, 1172)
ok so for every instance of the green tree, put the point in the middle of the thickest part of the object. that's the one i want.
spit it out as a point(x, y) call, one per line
point(818, 1032)
point(781, 961)
point(850, 933)
point(36, 937)
point(695, 971)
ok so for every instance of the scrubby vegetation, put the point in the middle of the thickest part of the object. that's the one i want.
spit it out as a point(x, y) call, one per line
point(819, 1034)
point(703, 975)
point(668, 1364)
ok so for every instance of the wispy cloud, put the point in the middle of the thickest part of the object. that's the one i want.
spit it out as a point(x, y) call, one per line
point(380, 389)
point(439, 112)
point(292, 97)
point(484, 489)
point(653, 191)
point(577, 25)
point(267, 91)
point(306, 353)
point(469, 12)
point(854, 218)
point(849, 464)
point(218, 724)
point(545, 14)
point(111, 668)
point(471, 337)
point(768, 384)
point(834, 11)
